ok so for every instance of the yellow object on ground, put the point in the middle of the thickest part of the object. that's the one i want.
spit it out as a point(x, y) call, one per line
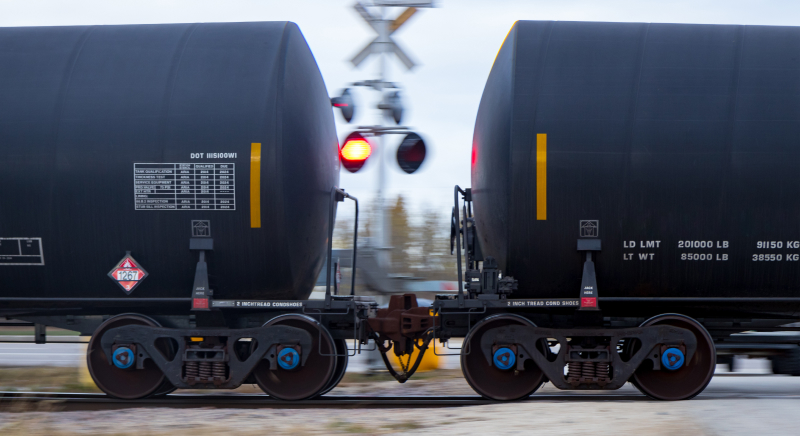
point(429, 362)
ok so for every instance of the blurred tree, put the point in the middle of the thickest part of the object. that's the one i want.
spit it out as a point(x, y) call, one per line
point(402, 237)
point(343, 233)
point(435, 260)
point(343, 229)
point(420, 244)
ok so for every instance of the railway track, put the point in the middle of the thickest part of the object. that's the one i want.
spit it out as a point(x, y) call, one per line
point(83, 401)
point(65, 401)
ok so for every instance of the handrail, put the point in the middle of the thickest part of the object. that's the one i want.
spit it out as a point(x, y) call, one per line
point(458, 245)
point(338, 195)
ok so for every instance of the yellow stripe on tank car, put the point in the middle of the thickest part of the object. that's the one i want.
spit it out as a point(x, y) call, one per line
point(541, 176)
point(255, 185)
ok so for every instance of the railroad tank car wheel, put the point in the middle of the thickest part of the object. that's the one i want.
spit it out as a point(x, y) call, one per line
point(306, 381)
point(166, 388)
point(727, 360)
point(127, 384)
point(787, 363)
point(490, 381)
point(688, 380)
point(342, 359)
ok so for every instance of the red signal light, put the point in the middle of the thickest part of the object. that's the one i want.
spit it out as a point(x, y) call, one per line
point(355, 152)
point(357, 149)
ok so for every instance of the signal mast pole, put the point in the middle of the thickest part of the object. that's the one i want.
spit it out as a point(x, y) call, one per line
point(390, 105)
point(385, 227)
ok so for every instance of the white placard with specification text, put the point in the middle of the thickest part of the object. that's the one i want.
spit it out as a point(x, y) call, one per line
point(184, 186)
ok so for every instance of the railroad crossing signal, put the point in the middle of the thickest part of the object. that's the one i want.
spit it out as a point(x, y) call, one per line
point(384, 43)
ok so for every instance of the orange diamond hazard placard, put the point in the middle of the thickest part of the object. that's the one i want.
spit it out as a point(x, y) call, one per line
point(128, 274)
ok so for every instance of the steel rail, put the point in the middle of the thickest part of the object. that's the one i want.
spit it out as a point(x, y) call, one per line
point(61, 401)
point(83, 401)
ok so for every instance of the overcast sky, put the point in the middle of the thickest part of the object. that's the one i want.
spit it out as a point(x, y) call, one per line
point(454, 45)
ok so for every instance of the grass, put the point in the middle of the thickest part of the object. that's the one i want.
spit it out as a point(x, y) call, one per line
point(29, 331)
point(364, 377)
point(349, 427)
point(43, 378)
point(407, 425)
point(340, 426)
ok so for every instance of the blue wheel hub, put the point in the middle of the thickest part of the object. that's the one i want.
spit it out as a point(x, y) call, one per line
point(504, 358)
point(123, 358)
point(672, 359)
point(288, 358)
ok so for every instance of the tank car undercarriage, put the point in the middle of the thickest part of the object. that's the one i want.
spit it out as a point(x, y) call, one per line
point(296, 350)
